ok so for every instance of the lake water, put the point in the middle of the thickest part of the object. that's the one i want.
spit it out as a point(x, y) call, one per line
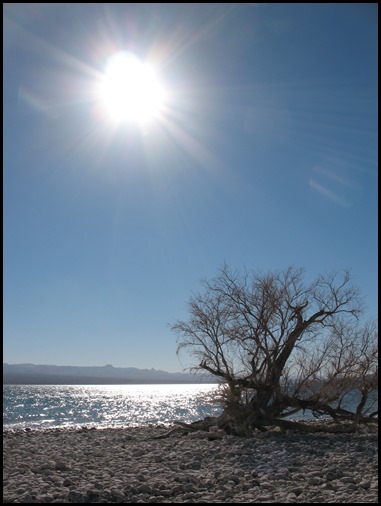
point(46, 406)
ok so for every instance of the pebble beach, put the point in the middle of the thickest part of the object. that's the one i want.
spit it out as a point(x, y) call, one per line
point(128, 465)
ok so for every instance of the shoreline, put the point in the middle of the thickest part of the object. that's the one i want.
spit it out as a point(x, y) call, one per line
point(129, 465)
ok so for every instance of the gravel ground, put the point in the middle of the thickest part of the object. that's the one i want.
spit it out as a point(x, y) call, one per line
point(126, 465)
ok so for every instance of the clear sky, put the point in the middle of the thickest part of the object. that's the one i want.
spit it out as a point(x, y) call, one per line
point(263, 154)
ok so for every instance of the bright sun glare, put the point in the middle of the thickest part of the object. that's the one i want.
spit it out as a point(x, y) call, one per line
point(130, 91)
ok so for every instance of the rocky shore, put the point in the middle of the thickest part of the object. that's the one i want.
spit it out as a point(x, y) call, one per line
point(132, 465)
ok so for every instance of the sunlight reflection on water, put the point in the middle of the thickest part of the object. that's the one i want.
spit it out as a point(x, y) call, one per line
point(38, 406)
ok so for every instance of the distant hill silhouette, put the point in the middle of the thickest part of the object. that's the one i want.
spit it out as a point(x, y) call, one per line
point(31, 374)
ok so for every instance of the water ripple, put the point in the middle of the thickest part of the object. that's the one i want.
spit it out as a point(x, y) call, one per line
point(106, 405)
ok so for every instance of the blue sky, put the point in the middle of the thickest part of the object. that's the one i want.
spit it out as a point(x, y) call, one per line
point(264, 156)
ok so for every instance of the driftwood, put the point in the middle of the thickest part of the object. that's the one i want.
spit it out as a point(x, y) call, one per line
point(185, 428)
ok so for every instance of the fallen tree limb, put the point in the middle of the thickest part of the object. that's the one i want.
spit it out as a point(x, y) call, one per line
point(185, 428)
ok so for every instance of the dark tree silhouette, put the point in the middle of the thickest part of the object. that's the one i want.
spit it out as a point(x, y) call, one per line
point(280, 345)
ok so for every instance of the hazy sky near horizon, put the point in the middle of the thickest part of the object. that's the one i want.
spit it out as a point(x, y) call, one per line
point(264, 155)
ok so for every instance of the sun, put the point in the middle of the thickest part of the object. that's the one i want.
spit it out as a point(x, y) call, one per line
point(130, 91)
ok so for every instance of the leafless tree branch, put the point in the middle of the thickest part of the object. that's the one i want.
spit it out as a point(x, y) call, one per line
point(282, 346)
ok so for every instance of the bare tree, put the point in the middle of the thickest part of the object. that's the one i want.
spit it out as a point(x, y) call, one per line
point(280, 345)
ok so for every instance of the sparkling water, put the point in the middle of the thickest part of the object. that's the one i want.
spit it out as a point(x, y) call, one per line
point(45, 406)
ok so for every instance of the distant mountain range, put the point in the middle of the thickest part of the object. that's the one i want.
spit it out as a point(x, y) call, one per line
point(31, 374)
